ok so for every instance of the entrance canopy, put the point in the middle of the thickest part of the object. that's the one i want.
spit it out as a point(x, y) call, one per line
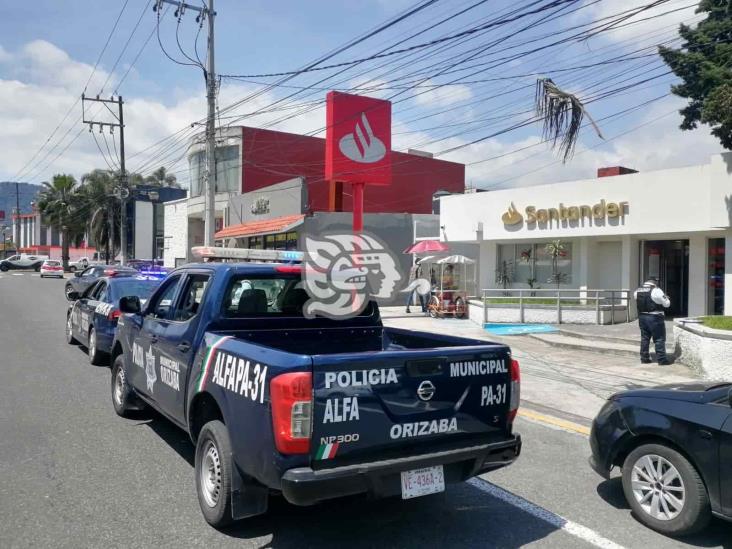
point(256, 228)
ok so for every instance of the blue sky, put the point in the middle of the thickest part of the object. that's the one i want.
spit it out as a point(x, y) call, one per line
point(48, 48)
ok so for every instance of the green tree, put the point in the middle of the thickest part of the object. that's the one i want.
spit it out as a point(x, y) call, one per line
point(62, 208)
point(103, 209)
point(704, 64)
point(162, 178)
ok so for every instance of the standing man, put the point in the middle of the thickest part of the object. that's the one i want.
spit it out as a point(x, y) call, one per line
point(414, 273)
point(651, 302)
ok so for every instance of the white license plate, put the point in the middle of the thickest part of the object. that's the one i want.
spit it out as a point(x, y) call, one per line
point(421, 482)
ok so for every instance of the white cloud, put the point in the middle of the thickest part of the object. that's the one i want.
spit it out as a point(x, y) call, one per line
point(443, 95)
point(32, 104)
point(657, 19)
point(44, 82)
point(657, 144)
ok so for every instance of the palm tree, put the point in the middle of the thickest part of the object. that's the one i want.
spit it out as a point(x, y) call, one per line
point(61, 206)
point(562, 113)
point(103, 208)
point(162, 178)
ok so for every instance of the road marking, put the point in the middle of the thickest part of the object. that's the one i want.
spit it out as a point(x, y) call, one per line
point(18, 274)
point(554, 421)
point(558, 521)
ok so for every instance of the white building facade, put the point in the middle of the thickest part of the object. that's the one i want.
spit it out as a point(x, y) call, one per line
point(616, 231)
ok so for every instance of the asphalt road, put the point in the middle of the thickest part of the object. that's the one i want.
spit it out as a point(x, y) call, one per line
point(73, 474)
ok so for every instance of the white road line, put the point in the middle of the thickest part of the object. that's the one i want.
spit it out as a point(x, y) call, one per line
point(561, 523)
point(18, 274)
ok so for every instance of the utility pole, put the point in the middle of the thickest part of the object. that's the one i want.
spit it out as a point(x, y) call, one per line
point(209, 178)
point(210, 219)
point(17, 215)
point(122, 191)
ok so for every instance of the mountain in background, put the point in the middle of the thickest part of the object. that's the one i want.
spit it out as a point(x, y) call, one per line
point(27, 193)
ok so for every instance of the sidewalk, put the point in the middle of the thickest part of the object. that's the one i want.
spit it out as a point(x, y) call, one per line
point(565, 382)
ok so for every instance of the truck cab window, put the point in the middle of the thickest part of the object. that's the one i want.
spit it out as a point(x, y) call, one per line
point(163, 300)
point(192, 297)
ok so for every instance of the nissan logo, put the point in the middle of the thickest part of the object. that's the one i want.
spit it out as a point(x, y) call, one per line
point(426, 390)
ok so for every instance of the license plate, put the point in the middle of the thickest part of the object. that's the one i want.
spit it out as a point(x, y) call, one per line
point(421, 482)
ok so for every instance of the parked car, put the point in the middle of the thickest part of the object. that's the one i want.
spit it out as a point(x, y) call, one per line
point(23, 261)
point(83, 279)
point(92, 319)
point(79, 264)
point(52, 268)
point(674, 445)
point(314, 409)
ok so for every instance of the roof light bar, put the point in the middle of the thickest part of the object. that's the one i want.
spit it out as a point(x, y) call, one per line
point(245, 254)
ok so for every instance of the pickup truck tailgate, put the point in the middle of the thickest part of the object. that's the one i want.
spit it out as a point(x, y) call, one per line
point(397, 403)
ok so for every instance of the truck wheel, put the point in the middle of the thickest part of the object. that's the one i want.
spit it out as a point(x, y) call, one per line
point(433, 307)
point(213, 473)
point(665, 491)
point(4, 268)
point(70, 339)
point(459, 308)
point(122, 396)
point(37, 268)
point(96, 356)
point(68, 290)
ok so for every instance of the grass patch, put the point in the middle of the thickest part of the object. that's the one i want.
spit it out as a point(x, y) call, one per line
point(718, 322)
point(531, 300)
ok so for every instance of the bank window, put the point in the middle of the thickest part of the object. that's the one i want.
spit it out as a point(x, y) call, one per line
point(256, 242)
point(534, 265)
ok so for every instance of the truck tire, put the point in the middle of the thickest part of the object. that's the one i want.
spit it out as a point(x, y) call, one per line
point(70, 339)
point(37, 268)
point(4, 268)
point(67, 290)
point(674, 502)
point(96, 357)
point(213, 473)
point(122, 397)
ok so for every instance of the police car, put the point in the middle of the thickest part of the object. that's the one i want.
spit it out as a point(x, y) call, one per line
point(92, 319)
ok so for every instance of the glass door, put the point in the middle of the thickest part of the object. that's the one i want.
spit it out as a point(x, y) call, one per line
point(715, 270)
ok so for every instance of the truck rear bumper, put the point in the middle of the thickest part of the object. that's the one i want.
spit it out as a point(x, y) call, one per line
point(304, 486)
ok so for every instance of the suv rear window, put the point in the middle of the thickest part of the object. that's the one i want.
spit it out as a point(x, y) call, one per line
point(52, 263)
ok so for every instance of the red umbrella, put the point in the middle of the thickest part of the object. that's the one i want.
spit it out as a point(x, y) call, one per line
point(427, 246)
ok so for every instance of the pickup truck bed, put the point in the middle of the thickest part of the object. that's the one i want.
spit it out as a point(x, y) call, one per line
point(312, 408)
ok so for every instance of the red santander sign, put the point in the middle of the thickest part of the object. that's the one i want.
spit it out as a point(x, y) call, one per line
point(357, 139)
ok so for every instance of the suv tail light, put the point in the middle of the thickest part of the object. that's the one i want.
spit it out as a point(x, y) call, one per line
point(515, 390)
point(292, 405)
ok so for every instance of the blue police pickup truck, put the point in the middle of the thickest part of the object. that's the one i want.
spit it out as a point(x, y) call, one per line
point(309, 408)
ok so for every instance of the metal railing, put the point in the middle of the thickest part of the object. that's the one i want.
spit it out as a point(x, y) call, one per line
point(563, 299)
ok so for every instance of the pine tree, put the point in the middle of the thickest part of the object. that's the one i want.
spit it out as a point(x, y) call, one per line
point(704, 64)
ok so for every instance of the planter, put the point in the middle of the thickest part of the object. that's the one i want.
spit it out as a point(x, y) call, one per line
point(705, 350)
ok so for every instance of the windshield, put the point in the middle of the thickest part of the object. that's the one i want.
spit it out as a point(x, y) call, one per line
point(142, 288)
point(52, 263)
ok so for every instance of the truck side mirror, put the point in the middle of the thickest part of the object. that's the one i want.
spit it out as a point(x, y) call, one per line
point(72, 295)
point(130, 304)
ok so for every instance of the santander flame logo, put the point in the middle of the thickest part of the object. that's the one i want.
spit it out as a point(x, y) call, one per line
point(362, 145)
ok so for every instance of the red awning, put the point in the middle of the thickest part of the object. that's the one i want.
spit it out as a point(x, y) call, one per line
point(256, 228)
